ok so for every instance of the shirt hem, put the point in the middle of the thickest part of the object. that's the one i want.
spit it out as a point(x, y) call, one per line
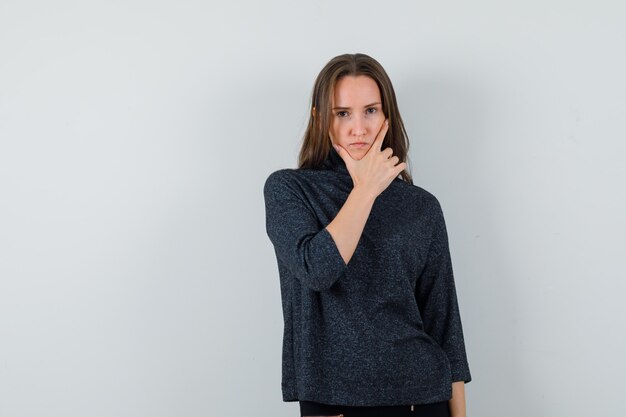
point(372, 402)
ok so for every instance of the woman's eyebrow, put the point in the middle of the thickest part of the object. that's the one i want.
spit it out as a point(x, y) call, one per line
point(348, 108)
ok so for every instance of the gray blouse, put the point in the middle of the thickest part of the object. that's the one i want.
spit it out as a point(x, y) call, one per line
point(384, 329)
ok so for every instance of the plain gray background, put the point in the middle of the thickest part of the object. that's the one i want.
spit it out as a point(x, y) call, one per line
point(136, 278)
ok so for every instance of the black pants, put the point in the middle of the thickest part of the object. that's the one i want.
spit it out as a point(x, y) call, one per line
point(439, 409)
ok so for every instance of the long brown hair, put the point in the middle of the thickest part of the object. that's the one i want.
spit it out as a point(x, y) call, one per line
point(316, 141)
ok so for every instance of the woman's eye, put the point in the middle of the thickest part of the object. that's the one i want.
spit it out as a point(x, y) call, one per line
point(340, 113)
point(372, 108)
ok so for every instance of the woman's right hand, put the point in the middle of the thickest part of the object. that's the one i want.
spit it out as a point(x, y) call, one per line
point(377, 169)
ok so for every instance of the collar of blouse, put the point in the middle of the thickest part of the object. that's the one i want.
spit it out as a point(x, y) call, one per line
point(335, 162)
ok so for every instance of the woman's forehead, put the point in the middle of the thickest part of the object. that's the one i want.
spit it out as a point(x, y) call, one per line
point(359, 91)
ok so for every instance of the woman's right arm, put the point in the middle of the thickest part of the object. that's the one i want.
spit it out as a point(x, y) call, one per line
point(371, 175)
point(301, 244)
point(347, 226)
point(317, 256)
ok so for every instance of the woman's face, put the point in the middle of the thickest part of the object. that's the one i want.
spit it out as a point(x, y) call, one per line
point(357, 114)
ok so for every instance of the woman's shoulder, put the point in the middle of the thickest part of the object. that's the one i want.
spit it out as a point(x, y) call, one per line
point(278, 175)
point(286, 176)
point(282, 175)
point(422, 200)
point(418, 192)
point(282, 179)
point(277, 179)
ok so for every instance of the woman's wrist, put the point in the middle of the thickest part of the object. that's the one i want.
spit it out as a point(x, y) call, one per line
point(364, 194)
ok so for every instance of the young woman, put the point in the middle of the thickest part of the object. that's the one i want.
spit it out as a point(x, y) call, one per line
point(371, 319)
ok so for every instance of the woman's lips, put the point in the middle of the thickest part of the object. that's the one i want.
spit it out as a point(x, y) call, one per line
point(358, 144)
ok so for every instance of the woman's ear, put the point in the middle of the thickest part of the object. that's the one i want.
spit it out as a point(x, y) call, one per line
point(313, 112)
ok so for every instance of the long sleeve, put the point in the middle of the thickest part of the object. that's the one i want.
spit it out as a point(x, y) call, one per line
point(305, 247)
point(437, 300)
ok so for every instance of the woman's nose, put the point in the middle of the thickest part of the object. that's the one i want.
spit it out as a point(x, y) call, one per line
point(358, 126)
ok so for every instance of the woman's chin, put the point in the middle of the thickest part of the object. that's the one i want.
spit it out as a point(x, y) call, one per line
point(357, 153)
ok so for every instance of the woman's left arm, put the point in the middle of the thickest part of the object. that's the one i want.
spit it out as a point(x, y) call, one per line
point(457, 402)
point(436, 298)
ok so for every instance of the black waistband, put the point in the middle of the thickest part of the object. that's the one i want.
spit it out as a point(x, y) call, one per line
point(439, 409)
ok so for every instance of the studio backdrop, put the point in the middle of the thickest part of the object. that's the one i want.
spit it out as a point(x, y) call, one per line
point(136, 276)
